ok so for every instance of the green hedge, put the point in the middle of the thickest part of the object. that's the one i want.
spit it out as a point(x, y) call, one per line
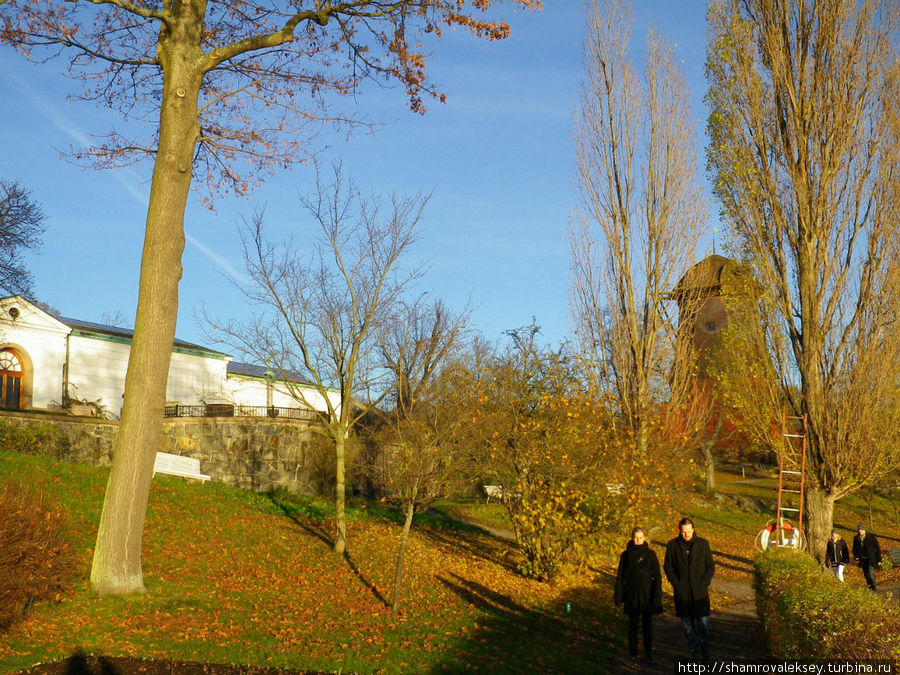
point(807, 613)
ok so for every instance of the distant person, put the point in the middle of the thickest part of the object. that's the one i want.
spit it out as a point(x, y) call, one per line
point(639, 589)
point(866, 554)
point(836, 554)
point(689, 568)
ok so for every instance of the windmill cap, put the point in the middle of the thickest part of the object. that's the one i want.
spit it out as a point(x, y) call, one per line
point(861, 526)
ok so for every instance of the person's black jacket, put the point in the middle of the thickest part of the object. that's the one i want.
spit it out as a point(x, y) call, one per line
point(867, 548)
point(638, 581)
point(836, 553)
point(690, 578)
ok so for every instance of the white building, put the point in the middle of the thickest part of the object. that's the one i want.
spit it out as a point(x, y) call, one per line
point(48, 361)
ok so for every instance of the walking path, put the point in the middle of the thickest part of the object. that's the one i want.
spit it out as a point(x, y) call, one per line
point(735, 633)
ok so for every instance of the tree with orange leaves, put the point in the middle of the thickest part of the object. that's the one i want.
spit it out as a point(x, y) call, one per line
point(550, 443)
point(216, 81)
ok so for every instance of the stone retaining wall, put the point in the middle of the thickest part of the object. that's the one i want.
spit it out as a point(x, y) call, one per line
point(253, 453)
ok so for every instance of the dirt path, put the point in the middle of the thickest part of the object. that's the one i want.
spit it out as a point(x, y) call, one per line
point(734, 627)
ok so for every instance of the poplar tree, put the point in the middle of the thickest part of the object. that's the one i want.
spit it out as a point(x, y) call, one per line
point(805, 159)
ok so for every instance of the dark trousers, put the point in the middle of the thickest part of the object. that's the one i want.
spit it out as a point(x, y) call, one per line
point(696, 628)
point(644, 618)
point(868, 572)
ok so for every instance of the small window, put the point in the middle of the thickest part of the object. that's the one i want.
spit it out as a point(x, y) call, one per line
point(9, 362)
point(711, 326)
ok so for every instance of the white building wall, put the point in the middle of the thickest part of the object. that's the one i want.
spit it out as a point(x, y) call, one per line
point(194, 379)
point(246, 391)
point(41, 342)
point(98, 367)
point(251, 391)
point(97, 371)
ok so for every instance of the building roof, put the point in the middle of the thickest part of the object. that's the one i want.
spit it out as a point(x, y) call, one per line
point(253, 370)
point(717, 275)
point(125, 335)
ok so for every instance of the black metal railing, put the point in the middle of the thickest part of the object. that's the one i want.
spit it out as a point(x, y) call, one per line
point(230, 410)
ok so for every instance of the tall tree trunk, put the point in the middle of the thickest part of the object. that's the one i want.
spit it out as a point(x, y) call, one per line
point(401, 554)
point(340, 536)
point(116, 565)
point(819, 521)
point(710, 463)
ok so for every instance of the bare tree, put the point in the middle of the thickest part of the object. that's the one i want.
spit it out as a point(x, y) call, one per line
point(420, 460)
point(321, 320)
point(805, 153)
point(213, 81)
point(641, 210)
point(21, 227)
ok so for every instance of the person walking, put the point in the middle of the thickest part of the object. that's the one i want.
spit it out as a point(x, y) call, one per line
point(689, 568)
point(836, 554)
point(639, 590)
point(866, 554)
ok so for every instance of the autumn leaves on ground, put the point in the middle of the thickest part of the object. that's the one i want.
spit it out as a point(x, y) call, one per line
point(236, 577)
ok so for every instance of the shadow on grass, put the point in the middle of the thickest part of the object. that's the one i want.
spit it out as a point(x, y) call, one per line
point(312, 524)
point(474, 542)
point(743, 564)
point(365, 582)
point(315, 525)
point(578, 633)
point(78, 665)
point(603, 575)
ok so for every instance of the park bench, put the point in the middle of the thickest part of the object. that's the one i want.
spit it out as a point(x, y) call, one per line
point(492, 491)
point(498, 492)
point(615, 488)
point(178, 465)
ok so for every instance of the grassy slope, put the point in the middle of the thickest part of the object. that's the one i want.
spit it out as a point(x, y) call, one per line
point(235, 577)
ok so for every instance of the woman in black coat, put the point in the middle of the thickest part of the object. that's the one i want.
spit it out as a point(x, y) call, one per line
point(836, 554)
point(639, 590)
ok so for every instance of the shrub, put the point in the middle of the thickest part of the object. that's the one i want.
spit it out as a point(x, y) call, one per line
point(34, 558)
point(806, 613)
point(32, 438)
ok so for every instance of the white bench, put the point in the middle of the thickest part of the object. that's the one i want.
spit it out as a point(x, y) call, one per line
point(492, 491)
point(615, 488)
point(177, 465)
point(498, 492)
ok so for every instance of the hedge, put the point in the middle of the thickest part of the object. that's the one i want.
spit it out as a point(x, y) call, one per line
point(807, 613)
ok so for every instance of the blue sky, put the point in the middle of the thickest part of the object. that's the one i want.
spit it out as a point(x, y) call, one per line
point(498, 156)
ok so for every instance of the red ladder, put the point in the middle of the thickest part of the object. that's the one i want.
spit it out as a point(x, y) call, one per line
point(791, 481)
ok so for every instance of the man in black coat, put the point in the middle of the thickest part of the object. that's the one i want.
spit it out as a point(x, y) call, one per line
point(866, 554)
point(689, 568)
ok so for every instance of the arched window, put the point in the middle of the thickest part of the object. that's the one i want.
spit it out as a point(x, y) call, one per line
point(11, 373)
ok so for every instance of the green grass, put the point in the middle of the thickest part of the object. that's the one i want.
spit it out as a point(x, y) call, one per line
point(475, 510)
point(243, 578)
